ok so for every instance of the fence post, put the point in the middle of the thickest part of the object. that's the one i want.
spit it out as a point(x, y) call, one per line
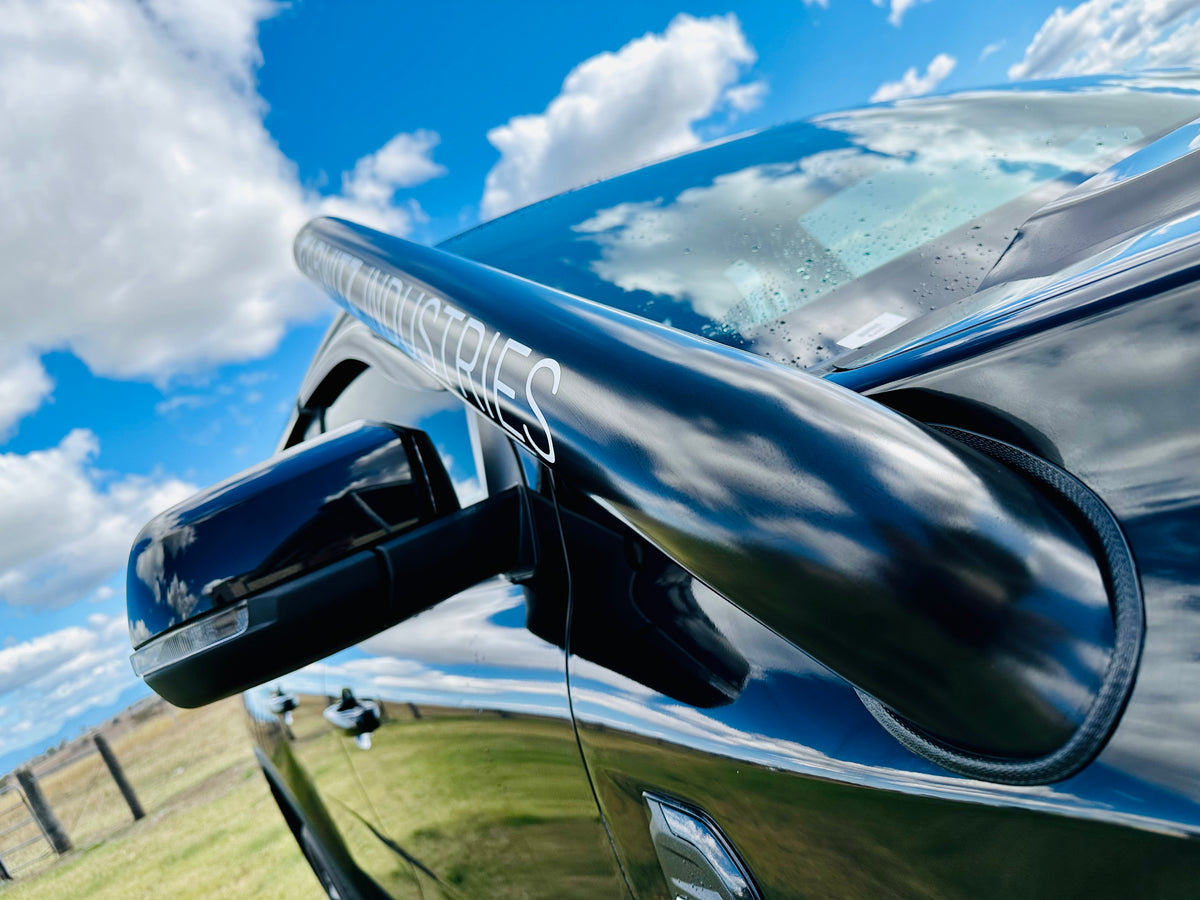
point(110, 760)
point(42, 812)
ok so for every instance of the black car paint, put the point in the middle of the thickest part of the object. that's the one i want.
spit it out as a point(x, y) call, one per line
point(751, 476)
point(1098, 378)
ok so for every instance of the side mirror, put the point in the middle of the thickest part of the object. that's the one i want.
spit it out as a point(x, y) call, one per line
point(302, 556)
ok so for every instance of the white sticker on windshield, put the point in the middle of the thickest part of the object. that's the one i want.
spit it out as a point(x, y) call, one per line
point(876, 328)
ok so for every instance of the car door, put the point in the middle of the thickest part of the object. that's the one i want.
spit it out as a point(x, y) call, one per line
point(789, 786)
point(471, 771)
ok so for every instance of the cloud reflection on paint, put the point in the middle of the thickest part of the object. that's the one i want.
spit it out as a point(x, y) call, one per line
point(866, 189)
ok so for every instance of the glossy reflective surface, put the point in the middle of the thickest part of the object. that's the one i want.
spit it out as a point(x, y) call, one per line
point(696, 859)
point(1113, 395)
point(677, 692)
point(475, 771)
point(938, 580)
point(803, 242)
point(290, 515)
point(472, 781)
point(820, 801)
point(811, 789)
point(307, 764)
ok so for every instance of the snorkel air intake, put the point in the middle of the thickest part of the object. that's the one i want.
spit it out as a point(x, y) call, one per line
point(981, 600)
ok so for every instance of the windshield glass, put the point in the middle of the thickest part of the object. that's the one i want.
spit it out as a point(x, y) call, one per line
point(811, 240)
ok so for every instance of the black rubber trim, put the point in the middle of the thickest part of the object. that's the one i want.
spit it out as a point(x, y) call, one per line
point(1125, 597)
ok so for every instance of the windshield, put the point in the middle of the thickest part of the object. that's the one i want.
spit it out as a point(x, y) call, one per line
point(811, 240)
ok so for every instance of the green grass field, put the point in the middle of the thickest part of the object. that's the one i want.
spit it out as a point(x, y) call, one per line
point(211, 828)
point(487, 802)
point(495, 806)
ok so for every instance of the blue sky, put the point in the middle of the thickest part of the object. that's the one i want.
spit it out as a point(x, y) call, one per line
point(158, 157)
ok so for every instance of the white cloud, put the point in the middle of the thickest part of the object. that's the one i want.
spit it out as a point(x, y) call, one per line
point(619, 110)
point(54, 677)
point(994, 47)
point(404, 161)
point(66, 528)
point(147, 229)
point(149, 215)
point(394, 219)
point(745, 97)
point(139, 633)
point(1111, 35)
point(24, 385)
point(224, 35)
point(898, 9)
point(183, 401)
point(913, 84)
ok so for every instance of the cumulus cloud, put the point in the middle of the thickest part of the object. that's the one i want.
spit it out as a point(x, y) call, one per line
point(24, 385)
point(404, 161)
point(52, 678)
point(913, 84)
point(745, 97)
point(898, 8)
point(148, 224)
point(619, 110)
point(1111, 35)
point(224, 35)
point(67, 527)
point(148, 213)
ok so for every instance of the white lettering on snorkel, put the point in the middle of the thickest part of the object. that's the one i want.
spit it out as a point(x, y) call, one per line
point(444, 340)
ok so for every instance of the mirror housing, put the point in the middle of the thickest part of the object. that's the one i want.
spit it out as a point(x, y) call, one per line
point(298, 557)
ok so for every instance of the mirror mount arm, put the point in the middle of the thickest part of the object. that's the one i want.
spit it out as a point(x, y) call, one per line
point(458, 551)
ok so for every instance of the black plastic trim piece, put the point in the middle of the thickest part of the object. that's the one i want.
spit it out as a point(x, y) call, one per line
point(1125, 596)
point(734, 877)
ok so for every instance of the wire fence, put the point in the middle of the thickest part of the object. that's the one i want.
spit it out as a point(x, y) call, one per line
point(22, 841)
point(72, 797)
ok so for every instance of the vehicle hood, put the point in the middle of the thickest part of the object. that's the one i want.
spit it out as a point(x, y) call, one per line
point(807, 242)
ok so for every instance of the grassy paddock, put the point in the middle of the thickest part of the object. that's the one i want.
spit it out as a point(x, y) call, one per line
point(211, 827)
point(497, 806)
